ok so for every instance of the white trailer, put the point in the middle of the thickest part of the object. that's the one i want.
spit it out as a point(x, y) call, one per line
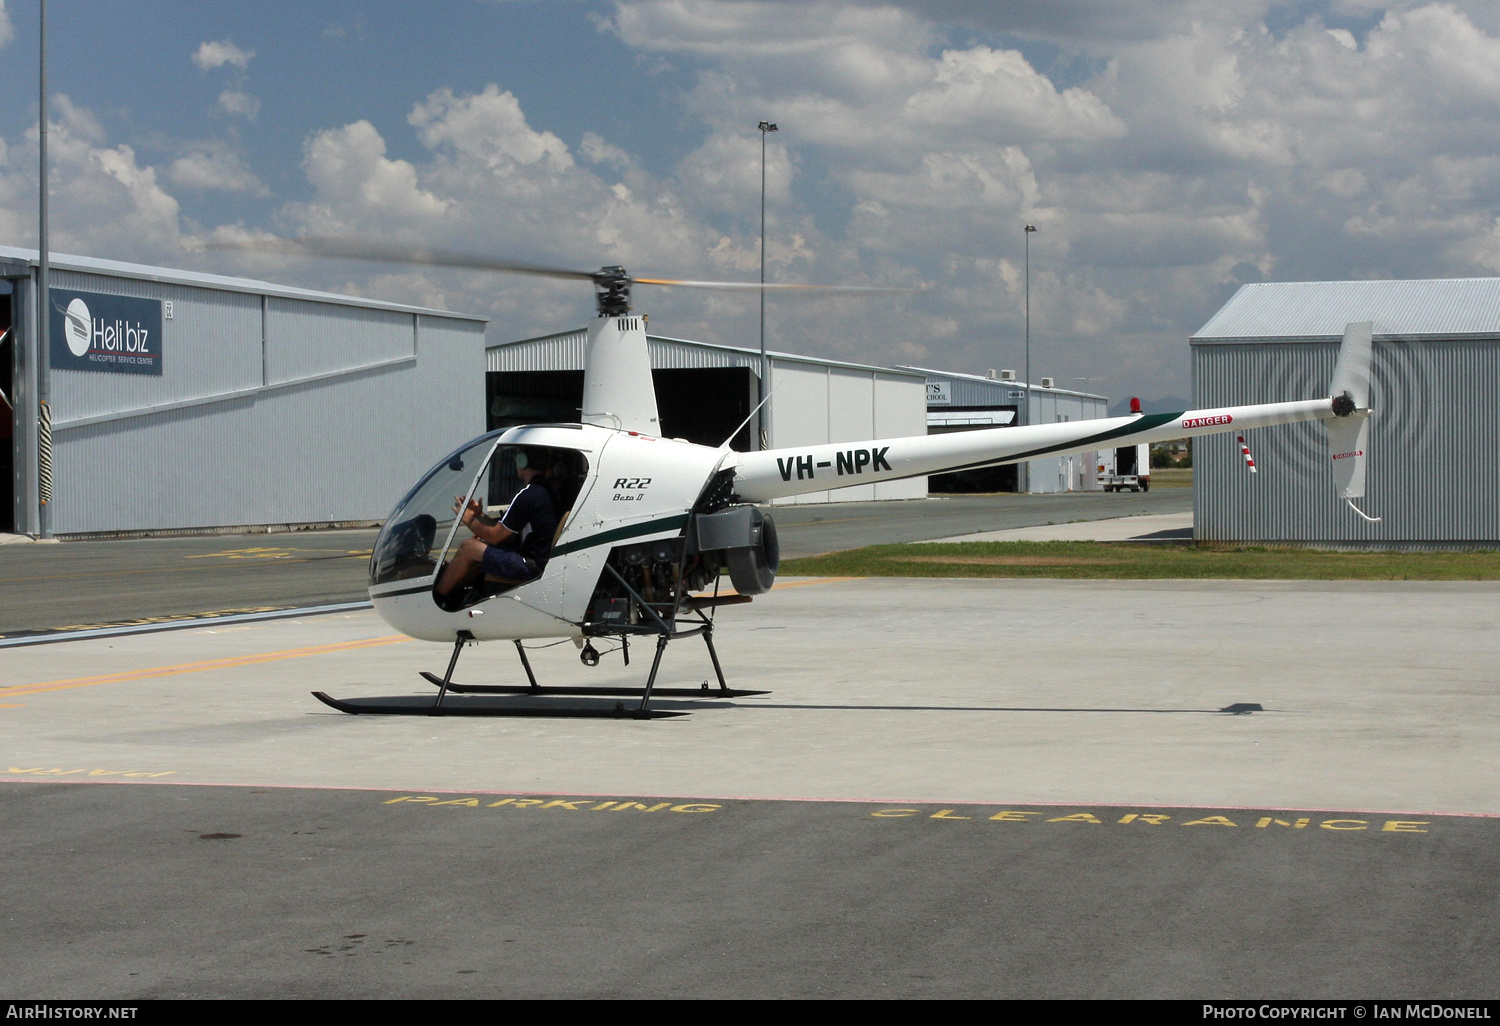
point(1129, 466)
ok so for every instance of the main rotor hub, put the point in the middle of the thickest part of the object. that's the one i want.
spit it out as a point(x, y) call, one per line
point(612, 291)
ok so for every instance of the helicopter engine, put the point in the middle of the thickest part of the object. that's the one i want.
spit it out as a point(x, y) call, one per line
point(743, 538)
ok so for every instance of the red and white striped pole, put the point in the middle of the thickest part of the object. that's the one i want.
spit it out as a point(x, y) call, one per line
point(1249, 460)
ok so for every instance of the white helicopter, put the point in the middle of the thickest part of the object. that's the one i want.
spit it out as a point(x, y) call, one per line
point(649, 524)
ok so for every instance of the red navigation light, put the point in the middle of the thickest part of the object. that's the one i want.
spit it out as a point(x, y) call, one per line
point(1135, 405)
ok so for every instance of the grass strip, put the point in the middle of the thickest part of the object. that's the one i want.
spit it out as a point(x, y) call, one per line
point(1123, 561)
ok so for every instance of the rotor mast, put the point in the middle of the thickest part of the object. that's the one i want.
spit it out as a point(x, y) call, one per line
point(612, 291)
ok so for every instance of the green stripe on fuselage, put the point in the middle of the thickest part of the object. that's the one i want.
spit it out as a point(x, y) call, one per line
point(674, 522)
point(1144, 423)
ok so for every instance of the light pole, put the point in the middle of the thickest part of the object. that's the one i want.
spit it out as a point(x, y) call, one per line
point(43, 306)
point(764, 126)
point(1030, 230)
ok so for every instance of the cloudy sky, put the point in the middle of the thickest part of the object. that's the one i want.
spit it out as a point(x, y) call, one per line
point(1166, 151)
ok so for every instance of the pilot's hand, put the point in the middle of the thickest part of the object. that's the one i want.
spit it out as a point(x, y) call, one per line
point(470, 512)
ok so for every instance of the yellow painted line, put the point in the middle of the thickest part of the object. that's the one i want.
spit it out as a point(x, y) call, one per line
point(725, 592)
point(212, 664)
point(239, 565)
point(813, 580)
point(13, 705)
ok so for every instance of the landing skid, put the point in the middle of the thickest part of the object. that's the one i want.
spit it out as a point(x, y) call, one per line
point(485, 699)
point(417, 705)
point(521, 689)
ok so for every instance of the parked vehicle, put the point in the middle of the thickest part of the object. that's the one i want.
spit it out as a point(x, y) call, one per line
point(1128, 467)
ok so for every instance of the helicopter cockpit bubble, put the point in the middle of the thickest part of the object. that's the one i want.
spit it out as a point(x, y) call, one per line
point(425, 516)
point(519, 554)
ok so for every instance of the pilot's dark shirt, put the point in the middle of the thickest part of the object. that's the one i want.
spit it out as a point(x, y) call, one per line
point(533, 517)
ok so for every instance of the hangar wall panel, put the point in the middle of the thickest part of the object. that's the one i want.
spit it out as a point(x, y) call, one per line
point(1063, 473)
point(851, 418)
point(450, 355)
point(342, 443)
point(347, 337)
point(340, 447)
point(1432, 475)
point(211, 443)
point(900, 410)
point(211, 345)
point(799, 412)
point(158, 472)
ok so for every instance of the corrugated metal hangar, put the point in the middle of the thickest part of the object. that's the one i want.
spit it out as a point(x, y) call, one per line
point(1432, 474)
point(705, 391)
point(185, 401)
point(970, 402)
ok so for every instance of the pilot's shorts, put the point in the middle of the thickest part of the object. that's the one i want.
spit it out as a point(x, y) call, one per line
point(507, 563)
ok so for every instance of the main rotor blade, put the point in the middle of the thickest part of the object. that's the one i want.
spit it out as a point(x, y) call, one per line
point(755, 286)
point(395, 253)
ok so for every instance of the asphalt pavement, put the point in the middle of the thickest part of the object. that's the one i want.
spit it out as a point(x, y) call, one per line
point(190, 892)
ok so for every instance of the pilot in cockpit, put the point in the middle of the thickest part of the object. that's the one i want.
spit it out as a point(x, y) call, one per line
point(515, 547)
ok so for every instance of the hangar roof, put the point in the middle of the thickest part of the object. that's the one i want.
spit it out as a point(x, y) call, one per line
point(174, 276)
point(985, 380)
point(1417, 310)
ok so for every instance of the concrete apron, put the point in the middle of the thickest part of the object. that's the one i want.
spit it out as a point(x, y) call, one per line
point(1375, 696)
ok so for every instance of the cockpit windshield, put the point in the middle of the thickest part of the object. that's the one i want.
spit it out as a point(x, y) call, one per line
point(424, 518)
point(411, 545)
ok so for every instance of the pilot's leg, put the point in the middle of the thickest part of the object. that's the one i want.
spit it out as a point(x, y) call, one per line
point(465, 561)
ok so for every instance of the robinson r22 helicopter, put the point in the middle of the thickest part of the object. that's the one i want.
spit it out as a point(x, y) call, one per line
point(649, 524)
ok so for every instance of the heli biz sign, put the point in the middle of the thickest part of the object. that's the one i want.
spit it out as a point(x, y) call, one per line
point(95, 332)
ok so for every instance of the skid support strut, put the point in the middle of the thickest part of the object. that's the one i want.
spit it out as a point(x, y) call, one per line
point(661, 646)
point(463, 638)
point(708, 639)
point(536, 688)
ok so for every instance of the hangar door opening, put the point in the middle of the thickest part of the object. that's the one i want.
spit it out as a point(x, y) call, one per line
point(981, 479)
point(702, 404)
point(9, 458)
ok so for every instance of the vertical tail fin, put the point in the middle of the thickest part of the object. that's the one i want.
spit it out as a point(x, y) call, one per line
point(1349, 430)
point(1351, 375)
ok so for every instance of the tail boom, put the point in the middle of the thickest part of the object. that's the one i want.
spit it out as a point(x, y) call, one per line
point(775, 473)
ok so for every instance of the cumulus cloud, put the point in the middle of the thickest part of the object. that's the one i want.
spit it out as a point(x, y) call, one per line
point(1207, 143)
point(210, 55)
point(214, 166)
point(104, 200)
point(860, 79)
point(1167, 151)
point(235, 101)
